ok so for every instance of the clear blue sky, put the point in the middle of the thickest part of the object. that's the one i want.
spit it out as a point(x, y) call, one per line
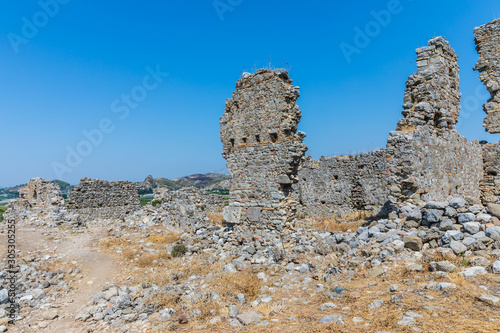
point(67, 73)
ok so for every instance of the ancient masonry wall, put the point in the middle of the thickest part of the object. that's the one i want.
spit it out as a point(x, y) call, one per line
point(262, 148)
point(490, 184)
point(426, 158)
point(40, 202)
point(97, 198)
point(187, 208)
point(488, 46)
point(341, 185)
point(429, 159)
point(426, 166)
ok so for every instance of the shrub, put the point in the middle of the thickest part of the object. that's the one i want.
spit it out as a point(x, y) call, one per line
point(178, 250)
point(155, 202)
point(2, 210)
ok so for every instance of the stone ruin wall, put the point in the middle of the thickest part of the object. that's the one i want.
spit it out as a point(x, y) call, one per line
point(342, 185)
point(490, 184)
point(40, 202)
point(425, 166)
point(187, 208)
point(426, 158)
point(97, 198)
point(262, 148)
point(488, 46)
point(429, 159)
point(487, 38)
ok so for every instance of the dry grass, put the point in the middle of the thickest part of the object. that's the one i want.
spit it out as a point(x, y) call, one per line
point(269, 309)
point(164, 238)
point(160, 278)
point(216, 218)
point(163, 300)
point(407, 128)
point(112, 242)
point(340, 224)
point(228, 284)
point(129, 254)
point(456, 278)
point(148, 260)
point(456, 310)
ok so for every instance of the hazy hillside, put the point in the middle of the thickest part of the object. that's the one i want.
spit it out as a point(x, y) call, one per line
point(207, 181)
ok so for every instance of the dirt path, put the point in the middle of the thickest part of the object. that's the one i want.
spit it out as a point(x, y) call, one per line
point(98, 269)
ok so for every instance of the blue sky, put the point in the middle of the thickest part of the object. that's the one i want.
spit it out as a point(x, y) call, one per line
point(68, 72)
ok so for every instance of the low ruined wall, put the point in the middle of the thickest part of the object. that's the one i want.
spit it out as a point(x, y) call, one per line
point(40, 203)
point(341, 185)
point(488, 46)
point(490, 184)
point(97, 198)
point(425, 165)
point(183, 210)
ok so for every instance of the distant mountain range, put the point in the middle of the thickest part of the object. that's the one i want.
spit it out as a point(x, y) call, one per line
point(208, 181)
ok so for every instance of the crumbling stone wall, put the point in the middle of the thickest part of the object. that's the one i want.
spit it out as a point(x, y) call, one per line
point(97, 198)
point(432, 96)
point(262, 148)
point(490, 184)
point(488, 46)
point(40, 203)
point(426, 166)
point(429, 159)
point(186, 209)
point(426, 158)
point(341, 185)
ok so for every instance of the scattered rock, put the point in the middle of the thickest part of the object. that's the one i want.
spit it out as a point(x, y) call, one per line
point(249, 317)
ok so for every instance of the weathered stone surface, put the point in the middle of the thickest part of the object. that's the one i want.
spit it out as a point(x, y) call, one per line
point(494, 209)
point(413, 242)
point(434, 215)
point(332, 319)
point(458, 247)
point(490, 299)
point(261, 145)
point(232, 214)
point(50, 314)
point(344, 184)
point(426, 146)
point(442, 266)
point(40, 203)
point(102, 199)
point(488, 46)
point(473, 271)
point(249, 317)
point(254, 214)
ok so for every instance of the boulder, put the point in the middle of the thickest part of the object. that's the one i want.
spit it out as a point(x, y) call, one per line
point(413, 242)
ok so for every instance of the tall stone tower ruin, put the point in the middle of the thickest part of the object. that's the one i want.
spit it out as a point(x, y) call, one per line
point(262, 148)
